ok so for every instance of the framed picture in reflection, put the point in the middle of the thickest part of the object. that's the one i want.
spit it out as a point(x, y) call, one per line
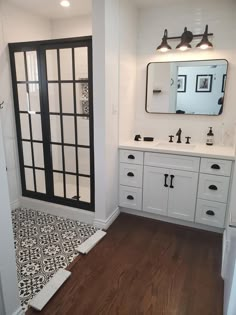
point(181, 83)
point(204, 83)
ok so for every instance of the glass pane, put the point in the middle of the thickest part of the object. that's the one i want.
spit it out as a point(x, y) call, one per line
point(84, 189)
point(30, 101)
point(82, 98)
point(57, 157)
point(71, 190)
point(38, 155)
point(24, 121)
point(66, 64)
point(69, 129)
point(55, 128)
point(29, 179)
point(81, 63)
point(40, 181)
point(58, 184)
point(53, 97)
point(67, 98)
point(36, 127)
point(20, 66)
point(32, 65)
point(83, 130)
point(51, 60)
point(34, 97)
point(70, 164)
point(84, 161)
point(27, 153)
point(22, 97)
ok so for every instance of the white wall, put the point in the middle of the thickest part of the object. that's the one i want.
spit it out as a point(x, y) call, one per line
point(127, 97)
point(72, 27)
point(151, 24)
point(8, 279)
point(106, 98)
point(16, 25)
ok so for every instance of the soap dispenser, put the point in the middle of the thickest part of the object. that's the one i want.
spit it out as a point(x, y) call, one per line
point(210, 137)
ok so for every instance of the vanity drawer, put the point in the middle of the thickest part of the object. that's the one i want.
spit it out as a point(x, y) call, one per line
point(130, 197)
point(210, 213)
point(216, 167)
point(177, 162)
point(131, 175)
point(131, 157)
point(212, 187)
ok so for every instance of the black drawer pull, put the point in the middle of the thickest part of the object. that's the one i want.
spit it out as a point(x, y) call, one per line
point(215, 167)
point(213, 187)
point(130, 174)
point(165, 184)
point(210, 212)
point(131, 157)
point(171, 181)
point(130, 197)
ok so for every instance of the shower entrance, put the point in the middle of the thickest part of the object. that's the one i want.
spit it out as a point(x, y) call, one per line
point(52, 87)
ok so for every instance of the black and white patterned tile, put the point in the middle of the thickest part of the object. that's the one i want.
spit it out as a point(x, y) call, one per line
point(43, 244)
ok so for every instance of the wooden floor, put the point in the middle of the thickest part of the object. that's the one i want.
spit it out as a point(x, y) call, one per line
point(145, 267)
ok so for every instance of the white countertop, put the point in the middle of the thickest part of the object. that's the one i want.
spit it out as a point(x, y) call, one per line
point(201, 150)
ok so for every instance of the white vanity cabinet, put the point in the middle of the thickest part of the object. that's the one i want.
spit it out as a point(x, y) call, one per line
point(170, 192)
point(188, 188)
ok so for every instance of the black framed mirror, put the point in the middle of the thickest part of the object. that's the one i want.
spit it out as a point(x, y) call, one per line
point(186, 87)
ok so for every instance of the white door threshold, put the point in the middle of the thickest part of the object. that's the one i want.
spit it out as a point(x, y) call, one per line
point(47, 292)
point(92, 241)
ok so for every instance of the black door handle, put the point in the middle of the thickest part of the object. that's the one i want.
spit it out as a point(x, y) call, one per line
point(210, 212)
point(130, 174)
point(130, 197)
point(215, 167)
point(171, 181)
point(213, 187)
point(131, 157)
point(165, 184)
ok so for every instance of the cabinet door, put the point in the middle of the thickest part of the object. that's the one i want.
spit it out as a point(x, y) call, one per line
point(155, 192)
point(182, 195)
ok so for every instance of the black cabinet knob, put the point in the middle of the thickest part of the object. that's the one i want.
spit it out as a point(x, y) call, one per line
point(130, 174)
point(213, 187)
point(210, 212)
point(215, 167)
point(130, 197)
point(131, 157)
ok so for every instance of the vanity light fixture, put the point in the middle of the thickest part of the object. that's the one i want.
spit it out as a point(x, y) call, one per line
point(185, 40)
point(65, 3)
point(205, 43)
point(164, 45)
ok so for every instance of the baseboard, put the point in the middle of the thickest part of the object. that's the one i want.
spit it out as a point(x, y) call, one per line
point(171, 220)
point(19, 311)
point(15, 204)
point(55, 209)
point(104, 224)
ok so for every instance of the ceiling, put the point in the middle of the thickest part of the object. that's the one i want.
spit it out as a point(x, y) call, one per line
point(52, 8)
point(146, 3)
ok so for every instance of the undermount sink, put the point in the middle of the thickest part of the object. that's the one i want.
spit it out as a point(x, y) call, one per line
point(176, 146)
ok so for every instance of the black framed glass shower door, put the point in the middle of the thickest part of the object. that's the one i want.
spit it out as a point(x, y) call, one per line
point(52, 86)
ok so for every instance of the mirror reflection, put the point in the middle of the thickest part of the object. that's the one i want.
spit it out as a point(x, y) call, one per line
point(186, 87)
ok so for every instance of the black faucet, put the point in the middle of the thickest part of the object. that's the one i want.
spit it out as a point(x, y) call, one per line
point(179, 132)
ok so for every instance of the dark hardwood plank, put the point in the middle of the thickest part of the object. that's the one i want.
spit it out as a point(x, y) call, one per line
point(145, 267)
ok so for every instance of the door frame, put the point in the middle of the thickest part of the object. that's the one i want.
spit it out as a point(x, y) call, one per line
point(40, 47)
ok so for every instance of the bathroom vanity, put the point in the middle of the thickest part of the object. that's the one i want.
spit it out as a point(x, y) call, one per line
point(176, 182)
